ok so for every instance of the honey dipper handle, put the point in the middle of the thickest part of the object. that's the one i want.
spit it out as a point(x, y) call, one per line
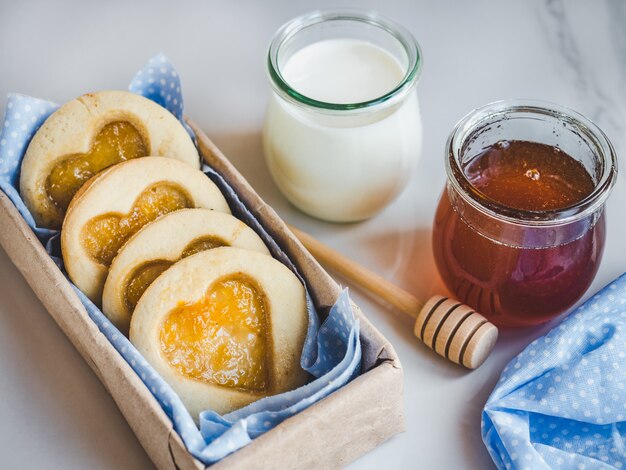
point(455, 331)
point(356, 273)
point(451, 329)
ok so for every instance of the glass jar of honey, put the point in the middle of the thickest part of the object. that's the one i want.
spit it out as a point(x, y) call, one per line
point(520, 227)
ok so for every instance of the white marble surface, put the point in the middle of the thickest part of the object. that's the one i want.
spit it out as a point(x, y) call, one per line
point(56, 414)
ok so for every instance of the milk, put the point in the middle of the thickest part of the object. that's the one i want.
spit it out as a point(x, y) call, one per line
point(342, 165)
point(342, 71)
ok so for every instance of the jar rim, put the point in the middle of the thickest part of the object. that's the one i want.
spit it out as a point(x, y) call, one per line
point(471, 123)
point(295, 25)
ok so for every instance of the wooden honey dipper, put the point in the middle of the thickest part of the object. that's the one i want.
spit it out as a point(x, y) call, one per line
point(451, 329)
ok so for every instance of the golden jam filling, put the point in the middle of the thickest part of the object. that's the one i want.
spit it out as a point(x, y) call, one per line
point(222, 338)
point(116, 142)
point(141, 278)
point(203, 244)
point(104, 235)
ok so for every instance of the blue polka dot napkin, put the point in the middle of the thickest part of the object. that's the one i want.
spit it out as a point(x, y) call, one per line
point(562, 402)
point(332, 351)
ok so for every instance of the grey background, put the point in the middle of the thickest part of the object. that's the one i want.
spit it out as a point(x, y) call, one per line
point(54, 411)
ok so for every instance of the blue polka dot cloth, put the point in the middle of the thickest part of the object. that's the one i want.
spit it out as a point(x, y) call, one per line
point(562, 402)
point(332, 350)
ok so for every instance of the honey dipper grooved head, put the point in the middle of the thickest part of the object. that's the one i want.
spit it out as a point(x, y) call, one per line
point(453, 330)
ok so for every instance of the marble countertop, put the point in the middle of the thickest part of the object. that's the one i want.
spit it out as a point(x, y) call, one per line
point(55, 411)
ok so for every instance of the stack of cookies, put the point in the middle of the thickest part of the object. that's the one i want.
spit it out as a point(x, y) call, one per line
point(150, 238)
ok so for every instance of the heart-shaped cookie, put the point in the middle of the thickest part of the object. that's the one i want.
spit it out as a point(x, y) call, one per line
point(116, 142)
point(89, 134)
point(160, 244)
point(104, 235)
point(224, 327)
point(221, 339)
point(118, 202)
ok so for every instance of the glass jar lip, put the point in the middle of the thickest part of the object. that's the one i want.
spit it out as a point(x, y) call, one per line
point(471, 122)
point(295, 25)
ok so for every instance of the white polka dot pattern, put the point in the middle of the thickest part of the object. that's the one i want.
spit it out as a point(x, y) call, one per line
point(562, 402)
point(160, 82)
point(332, 351)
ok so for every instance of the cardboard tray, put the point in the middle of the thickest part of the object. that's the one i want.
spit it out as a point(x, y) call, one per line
point(329, 434)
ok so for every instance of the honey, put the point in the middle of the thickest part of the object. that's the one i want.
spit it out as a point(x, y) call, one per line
point(116, 142)
point(104, 235)
point(141, 278)
point(529, 176)
point(222, 338)
point(522, 283)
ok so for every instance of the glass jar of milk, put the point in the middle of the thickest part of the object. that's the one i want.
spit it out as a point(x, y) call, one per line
point(343, 130)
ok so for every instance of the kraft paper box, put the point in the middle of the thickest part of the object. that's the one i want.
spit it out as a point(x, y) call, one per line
point(329, 434)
